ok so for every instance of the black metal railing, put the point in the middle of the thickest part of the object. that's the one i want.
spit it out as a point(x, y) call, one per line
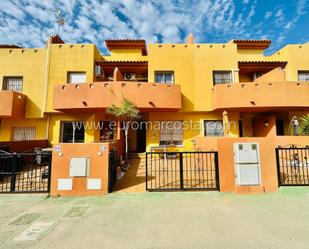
point(293, 166)
point(25, 172)
point(168, 171)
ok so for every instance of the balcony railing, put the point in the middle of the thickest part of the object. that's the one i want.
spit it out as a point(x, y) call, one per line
point(100, 95)
point(12, 104)
point(260, 96)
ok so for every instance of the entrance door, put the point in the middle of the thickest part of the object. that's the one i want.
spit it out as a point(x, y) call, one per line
point(141, 137)
point(279, 127)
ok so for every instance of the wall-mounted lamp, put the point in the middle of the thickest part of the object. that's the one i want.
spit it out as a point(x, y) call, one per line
point(266, 123)
point(60, 154)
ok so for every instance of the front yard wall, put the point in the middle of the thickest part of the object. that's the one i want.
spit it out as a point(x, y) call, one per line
point(268, 166)
point(98, 168)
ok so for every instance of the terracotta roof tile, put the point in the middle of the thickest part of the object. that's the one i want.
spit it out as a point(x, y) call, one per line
point(252, 44)
point(9, 46)
point(122, 61)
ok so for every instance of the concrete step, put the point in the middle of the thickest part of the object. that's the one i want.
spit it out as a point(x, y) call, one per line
point(137, 155)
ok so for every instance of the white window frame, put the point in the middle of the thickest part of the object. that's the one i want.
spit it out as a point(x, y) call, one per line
point(303, 74)
point(213, 133)
point(80, 77)
point(166, 130)
point(16, 86)
point(222, 72)
point(24, 133)
point(164, 76)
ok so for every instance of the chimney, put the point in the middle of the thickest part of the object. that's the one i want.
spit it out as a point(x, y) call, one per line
point(190, 39)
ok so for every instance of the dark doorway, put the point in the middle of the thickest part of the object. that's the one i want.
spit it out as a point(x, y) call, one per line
point(141, 137)
point(240, 128)
point(279, 127)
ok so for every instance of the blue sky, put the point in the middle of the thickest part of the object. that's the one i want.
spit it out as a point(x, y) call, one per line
point(30, 22)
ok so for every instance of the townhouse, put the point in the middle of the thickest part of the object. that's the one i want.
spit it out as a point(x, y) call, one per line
point(228, 93)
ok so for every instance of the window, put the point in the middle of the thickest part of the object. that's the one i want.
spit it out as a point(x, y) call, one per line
point(213, 128)
point(13, 84)
point(72, 132)
point(171, 133)
point(107, 130)
point(164, 77)
point(303, 75)
point(76, 77)
point(23, 133)
point(222, 77)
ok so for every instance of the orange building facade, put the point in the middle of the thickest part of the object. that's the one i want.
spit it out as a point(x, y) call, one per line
point(214, 96)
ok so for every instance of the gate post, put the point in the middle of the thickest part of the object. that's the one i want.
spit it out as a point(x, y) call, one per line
point(217, 171)
point(146, 170)
point(13, 176)
point(49, 156)
point(278, 166)
point(181, 169)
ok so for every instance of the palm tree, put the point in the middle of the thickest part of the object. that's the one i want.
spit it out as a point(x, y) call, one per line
point(304, 122)
point(126, 112)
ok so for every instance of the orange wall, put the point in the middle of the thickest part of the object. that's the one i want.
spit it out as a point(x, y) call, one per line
point(268, 166)
point(260, 129)
point(12, 104)
point(100, 95)
point(98, 168)
point(241, 95)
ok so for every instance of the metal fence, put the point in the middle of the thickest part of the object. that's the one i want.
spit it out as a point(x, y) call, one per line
point(168, 171)
point(25, 172)
point(293, 166)
point(113, 162)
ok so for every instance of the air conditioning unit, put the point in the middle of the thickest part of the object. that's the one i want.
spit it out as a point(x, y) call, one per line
point(257, 75)
point(98, 71)
point(129, 76)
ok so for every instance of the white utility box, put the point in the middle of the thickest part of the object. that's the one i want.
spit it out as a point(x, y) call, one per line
point(94, 184)
point(247, 163)
point(79, 166)
point(65, 184)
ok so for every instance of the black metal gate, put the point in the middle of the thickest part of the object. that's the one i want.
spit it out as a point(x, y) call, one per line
point(25, 172)
point(113, 162)
point(168, 171)
point(293, 166)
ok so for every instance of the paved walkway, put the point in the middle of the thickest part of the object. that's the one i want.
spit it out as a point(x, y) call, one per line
point(157, 220)
point(134, 181)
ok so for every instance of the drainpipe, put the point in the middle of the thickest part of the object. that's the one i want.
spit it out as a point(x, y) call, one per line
point(233, 74)
point(47, 127)
point(47, 65)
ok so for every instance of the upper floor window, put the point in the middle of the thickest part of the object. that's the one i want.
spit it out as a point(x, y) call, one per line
point(13, 84)
point(164, 77)
point(213, 128)
point(76, 77)
point(171, 133)
point(72, 132)
point(303, 75)
point(222, 77)
point(23, 133)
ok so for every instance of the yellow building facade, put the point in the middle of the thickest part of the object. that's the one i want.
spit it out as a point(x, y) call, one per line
point(203, 84)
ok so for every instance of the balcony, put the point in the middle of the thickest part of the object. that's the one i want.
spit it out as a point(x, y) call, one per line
point(12, 104)
point(97, 96)
point(260, 96)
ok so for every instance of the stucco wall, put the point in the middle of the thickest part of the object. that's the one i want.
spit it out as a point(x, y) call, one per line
point(268, 166)
point(98, 168)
